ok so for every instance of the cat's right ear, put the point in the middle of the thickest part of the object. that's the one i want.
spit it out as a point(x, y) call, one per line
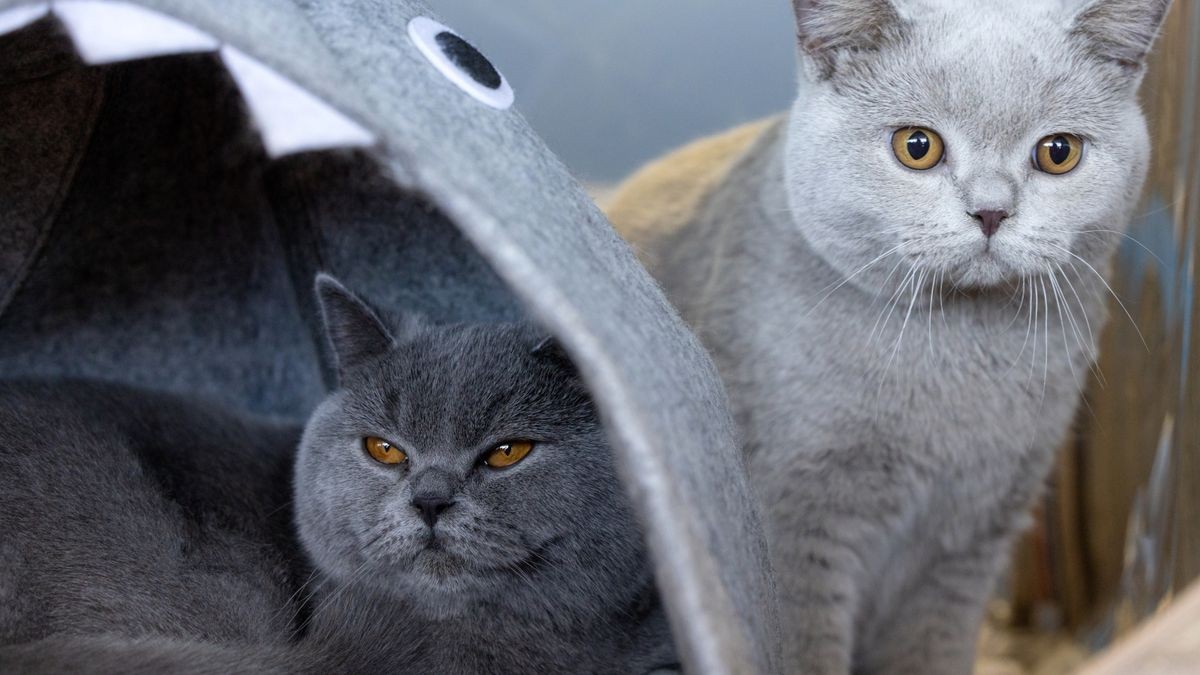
point(1122, 31)
point(352, 328)
point(829, 28)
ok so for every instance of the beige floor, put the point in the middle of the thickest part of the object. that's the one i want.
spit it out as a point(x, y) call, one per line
point(1006, 651)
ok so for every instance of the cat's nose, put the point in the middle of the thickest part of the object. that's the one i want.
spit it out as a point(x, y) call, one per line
point(431, 506)
point(989, 220)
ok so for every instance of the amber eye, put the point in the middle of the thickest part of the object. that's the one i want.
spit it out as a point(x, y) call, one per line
point(384, 452)
point(918, 148)
point(503, 456)
point(1058, 154)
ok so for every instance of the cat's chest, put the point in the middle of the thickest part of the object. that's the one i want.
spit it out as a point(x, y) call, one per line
point(969, 391)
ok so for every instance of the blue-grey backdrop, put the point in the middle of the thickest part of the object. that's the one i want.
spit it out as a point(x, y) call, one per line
point(612, 83)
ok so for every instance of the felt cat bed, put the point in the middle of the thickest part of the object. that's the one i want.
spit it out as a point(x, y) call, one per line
point(174, 172)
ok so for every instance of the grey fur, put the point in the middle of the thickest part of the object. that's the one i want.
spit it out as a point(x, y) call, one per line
point(830, 27)
point(149, 533)
point(146, 238)
point(539, 567)
point(141, 514)
point(903, 393)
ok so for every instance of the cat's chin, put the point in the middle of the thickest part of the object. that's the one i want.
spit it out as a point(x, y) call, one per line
point(986, 271)
point(985, 278)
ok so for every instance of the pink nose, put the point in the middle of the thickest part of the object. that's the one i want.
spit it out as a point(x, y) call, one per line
point(989, 220)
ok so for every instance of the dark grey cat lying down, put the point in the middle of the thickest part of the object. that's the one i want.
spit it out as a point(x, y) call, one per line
point(455, 501)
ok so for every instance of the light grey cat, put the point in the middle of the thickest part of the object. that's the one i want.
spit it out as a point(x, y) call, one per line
point(902, 285)
point(456, 498)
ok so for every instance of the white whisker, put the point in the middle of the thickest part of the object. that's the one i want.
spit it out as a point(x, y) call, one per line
point(852, 276)
point(1110, 290)
point(892, 304)
point(1046, 353)
point(1091, 335)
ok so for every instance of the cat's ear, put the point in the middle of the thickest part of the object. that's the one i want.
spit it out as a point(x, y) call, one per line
point(827, 28)
point(353, 329)
point(551, 350)
point(1123, 31)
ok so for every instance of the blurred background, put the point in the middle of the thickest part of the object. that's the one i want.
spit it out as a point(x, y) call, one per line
point(611, 84)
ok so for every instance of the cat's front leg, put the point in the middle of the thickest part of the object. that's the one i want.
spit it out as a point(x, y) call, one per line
point(818, 601)
point(935, 628)
point(827, 514)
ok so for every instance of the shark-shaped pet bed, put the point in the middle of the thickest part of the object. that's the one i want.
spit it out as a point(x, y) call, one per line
point(174, 172)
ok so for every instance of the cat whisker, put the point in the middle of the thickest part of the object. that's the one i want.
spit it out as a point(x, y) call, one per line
point(942, 299)
point(929, 319)
point(1037, 313)
point(1062, 323)
point(1028, 322)
point(916, 291)
point(852, 276)
point(1079, 340)
point(1076, 329)
point(279, 508)
point(1131, 238)
point(1154, 212)
point(1125, 235)
point(1110, 290)
point(913, 280)
point(339, 591)
point(1046, 352)
point(1095, 366)
point(1020, 293)
point(890, 307)
point(296, 609)
point(368, 548)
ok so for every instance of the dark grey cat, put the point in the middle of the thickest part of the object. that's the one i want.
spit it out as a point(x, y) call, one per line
point(141, 514)
point(459, 498)
point(456, 498)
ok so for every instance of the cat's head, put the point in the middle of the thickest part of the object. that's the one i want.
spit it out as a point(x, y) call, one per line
point(976, 142)
point(461, 466)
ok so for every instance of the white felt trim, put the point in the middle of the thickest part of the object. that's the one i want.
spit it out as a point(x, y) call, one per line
point(20, 16)
point(423, 31)
point(108, 31)
point(290, 118)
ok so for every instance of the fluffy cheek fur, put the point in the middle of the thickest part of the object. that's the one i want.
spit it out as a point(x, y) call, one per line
point(331, 504)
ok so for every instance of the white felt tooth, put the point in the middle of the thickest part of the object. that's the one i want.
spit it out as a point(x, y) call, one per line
point(20, 16)
point(290, 118)
point(108, 31)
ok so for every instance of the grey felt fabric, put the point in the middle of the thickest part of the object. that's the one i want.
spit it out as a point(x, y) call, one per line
point(147, 238)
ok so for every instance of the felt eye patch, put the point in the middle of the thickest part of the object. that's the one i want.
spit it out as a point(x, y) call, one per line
point(461, 62)
point(383, 451)
point(508, 454)
point(918, 148)
point(1058, 154)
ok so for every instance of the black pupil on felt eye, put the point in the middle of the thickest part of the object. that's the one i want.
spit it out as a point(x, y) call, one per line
point(469, 60)
point(1060, 150)
point(918, 145)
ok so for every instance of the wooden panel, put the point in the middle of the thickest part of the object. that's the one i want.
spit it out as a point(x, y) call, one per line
point(1120, 528)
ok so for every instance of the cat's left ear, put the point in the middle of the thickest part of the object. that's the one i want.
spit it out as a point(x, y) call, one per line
point(550, 349)
point(1123, 31)
point(355, 332)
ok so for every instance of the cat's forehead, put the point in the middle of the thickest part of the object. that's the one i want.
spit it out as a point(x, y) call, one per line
point(450, 390)
point(992, 71)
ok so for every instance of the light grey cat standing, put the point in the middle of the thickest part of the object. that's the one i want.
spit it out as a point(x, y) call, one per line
point(902, 285)
point(487, 533)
